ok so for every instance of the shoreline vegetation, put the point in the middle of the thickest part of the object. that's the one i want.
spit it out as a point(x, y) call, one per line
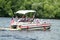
point(46, 9)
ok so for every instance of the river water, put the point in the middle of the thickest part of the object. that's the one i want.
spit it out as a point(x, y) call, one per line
point(53, 34)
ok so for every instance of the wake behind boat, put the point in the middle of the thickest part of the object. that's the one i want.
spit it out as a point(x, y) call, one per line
point(3, 29)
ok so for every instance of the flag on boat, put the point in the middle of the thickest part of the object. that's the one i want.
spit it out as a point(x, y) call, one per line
point(12, 21)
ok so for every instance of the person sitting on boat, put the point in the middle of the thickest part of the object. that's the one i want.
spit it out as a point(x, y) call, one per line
point(36, 20)
point(23, 18)
point(16, 18)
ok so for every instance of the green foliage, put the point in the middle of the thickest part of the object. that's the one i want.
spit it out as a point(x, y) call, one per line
point(44, 8)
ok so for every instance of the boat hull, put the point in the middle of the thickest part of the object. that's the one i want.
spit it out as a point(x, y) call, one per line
point(36, 28)
point(32, 28)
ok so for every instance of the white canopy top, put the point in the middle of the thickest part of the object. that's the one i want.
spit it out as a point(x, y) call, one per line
point(25, 11)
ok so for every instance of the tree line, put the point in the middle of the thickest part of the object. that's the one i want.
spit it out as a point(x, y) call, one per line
point(44, 8)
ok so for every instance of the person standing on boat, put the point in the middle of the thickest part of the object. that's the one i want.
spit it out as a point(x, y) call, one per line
point(16, 18)
point(13, 23)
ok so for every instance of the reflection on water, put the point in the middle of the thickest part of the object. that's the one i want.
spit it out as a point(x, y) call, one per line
point(53, 34)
